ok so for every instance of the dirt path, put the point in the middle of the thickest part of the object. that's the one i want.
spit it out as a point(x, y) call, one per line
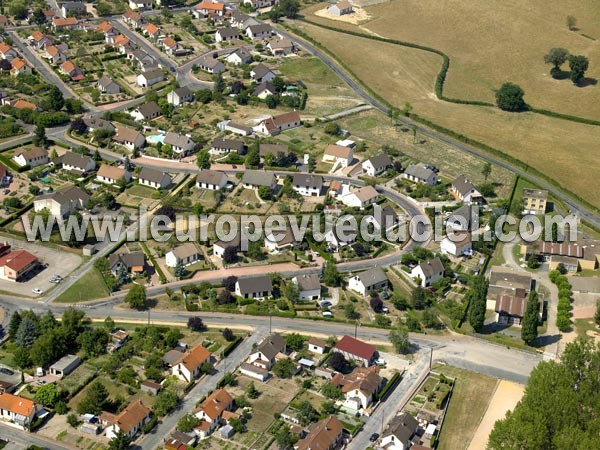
point(505, 398)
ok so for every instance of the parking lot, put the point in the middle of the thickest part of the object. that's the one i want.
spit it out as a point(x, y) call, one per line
point(58, 263)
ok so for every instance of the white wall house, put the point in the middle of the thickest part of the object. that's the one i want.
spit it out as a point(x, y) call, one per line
point(458, 244)
point(370, 280)
point(428, 272)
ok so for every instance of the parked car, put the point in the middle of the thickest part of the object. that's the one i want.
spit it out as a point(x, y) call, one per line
point(37, 291)
point(374, 437)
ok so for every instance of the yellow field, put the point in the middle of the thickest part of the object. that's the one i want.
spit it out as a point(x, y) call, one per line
point(565, 151)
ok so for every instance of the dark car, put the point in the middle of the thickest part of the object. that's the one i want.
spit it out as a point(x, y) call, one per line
point(6, 371)
point(374, 437)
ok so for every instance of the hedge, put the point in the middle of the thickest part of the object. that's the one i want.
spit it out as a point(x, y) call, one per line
point(390, 384)
point(231, 346)
point(159, 272)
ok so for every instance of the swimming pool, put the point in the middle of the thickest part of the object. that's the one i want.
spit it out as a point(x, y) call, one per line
point(156, 138)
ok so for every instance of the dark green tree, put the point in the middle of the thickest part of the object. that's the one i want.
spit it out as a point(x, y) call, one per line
point(399, 338)
point(557, 57)
point(136, 297)
point(94, 400)
point(203, 159)
point(510, 98)
point(578, 65)
point(120, 442)
point(39, 136)
point(529, 326)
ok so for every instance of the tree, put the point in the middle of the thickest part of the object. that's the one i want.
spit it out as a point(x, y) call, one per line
point(285, 438)
point(54, 100)
point(38, 17)
point(271, 101)
point(230, 254)
point(253, 393)
point(331, 391)
point(225, 297)
point(399, 338)
point(93, 341)
point(228, 335)
point(284, 368)
point(477, 300)
point(376, 303)
point(265, 192)
point(486, 170)
point(121, 441)
point(571, 23)
point(295, 341)
point(529, 326)
point(578, 65)
point(203, 159)
point(73, 420)
point(196, 323)
point(94, 400)
point(337, 361)
point(420, 298)
point(49, 347)
point(510, 98)
point(39, 137)
point(27, 333)
point(291, 292)
point(229, 282)
point(15, 321)
point(555, 412)
point(331, 276)
point(166, 401)
point(557, 57)
point(219, 83)
point(597, 314)
point(18, 10)
point(306, 413)
point(46, 395)
point(187, 423)
point(136, 297)
point(109, 324)
point(332, 129)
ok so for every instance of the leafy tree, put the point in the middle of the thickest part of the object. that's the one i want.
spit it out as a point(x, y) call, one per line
point(229, 282)
point(284, 368)
point(219, 83)
point(253, 393)
point(78, 126)
point(166, 401)
point(187, 423)
point(49, 347)
point(399, 338)
point(597, 314)
point(109, 324)
point(332, 129)
point(253, 156)
point(93, 341)
point(120, 442)
point(13, 326)
point(27, 333)
point(230, 254)
point(136, 297)
point(295, 341)
point(571, 23)
point(38, 17)
point(420, 298)
point(529, 326)
point(307, 413)
point(557, 57)
point(285, 438)
point(73, 420)
point(510, 98)
point(376, 303)
point(556, 410)
point(486, 170)
point(196, 323)
point(291, 292)
point(578, 65)
point(203, 159)
point(39, 136)
point(331, 276)
point(351, 312)
point(331, 391)
point(477, 298)
point(46, 395)
point(94, 400)
point(228, 335)
point(54, 100)
point(225, 297)
point(337, 361)
point(265, 192)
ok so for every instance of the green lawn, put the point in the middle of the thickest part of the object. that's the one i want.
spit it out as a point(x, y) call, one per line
point(139, 190)
point(89, 287)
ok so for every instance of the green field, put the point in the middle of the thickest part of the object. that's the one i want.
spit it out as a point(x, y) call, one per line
point(89, 287)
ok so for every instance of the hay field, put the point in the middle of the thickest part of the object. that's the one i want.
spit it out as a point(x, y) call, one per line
point(566, 151)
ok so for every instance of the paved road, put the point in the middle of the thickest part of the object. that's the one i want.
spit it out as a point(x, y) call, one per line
point(157, 54)
point(24, 439)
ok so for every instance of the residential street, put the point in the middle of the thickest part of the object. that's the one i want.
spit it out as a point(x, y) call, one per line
point(21, 439)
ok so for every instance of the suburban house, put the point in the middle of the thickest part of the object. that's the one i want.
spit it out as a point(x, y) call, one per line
point(211, 179)
point(265, 355)
point(383, 218)
point(261, 73)
point(466, 191)
point(129, 421)
point(171, 46)
point(145, 62)
point(181, 144)
point(370, 280)
point(340, 8)
point(338, 155)
point(147, 111)
point(14, 265)
point(65, 365)
point(335, 241)
point(252, 371)
point(211, 65)
point(508, 292)
point(510, 309)
point(326, 434)
point(227, 34)
point(264, 89)
point(62, 202)
point(208, 8)
point(7, 52)
point(254, 179)
point(239, 56)
point(141, 4)
point(281, 47)
point(133, 18)
point(309, 286)
point(54, 55)
point(219, 247)
point(316, 345)
point(40, 40)
point(72, 9)
point(123, 44)
point(112, 174)
point(277, 124)
point(69, 69)
point(535, 201)
point(189, 365)
point(180, 95)
point(129, 138)
point(154, 178)
point(359, 351)
point(66, 23)
point(361, 198)
point(258, 287)
point(212, 410)
point(308, 185)
point(107, 85)
point(133, 262)
point(401, 433)
point(18, 410)
point(272, 149)
point(377, 164)
point(222, 146)
point(37, 156)
point(420, 174)
point(149, 78)
point(19, 66)
point(77, 162)
point(235, 128)
point(184, 254)
point(278, 241)
point(465, 218)
point(96, 123)
point(428, 272)
point(259, 4)
point(117, 340)
point(151, 30)
point(457, 244)
point(262, 30)
point(360, 387)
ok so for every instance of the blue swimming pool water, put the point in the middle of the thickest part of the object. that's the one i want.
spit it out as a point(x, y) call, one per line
point(155, 139)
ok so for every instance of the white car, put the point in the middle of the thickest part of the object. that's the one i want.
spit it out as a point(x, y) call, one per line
point(37, 291)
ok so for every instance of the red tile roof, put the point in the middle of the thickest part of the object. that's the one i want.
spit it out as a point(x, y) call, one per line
point(18, 260)
point(355, 347)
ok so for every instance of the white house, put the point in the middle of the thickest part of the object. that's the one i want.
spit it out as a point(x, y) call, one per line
point(180, 96)
point(278, 241)
point(262, 30)
point(140, 4)
point(401, 433)
point(62, 202)
point(212, 411)
point(316, 345)
point(307, 185)
point(266, 353)
point(111, 174)
point(277, 124)
point(153, 178)
point(187, 368)
point(37, 156)
point(180, 143)
point(465, 190)
point(129, 138)
point(261, 73)
point(338, 155)
point(107, 85)
point(239, 57)
point(18, 410)
point(377, 164)
point(428, 272)
point(359, 388)
point(281, 47)
point(309, 286)
point(227, 34)
point(255, 372)
point(340, 8)
point(371, 280)
point(457, 244)
point(77, 162)
point(258, 287)
point(212, 180)
point(361, 198)
point(185, 254)
point(129, 421)
point(420, 174)
point(150, 78)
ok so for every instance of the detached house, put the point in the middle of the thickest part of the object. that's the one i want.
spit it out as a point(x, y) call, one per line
point(151, 30)
point(457, 244)
point(141, 4)
point(129, 138)
point(272, 149)
point(465, 190)
point(73, 9)
point(211, 179)
point(208, 8)
point(132, 263)
point(188, 366)
point(7, 52)
point(308, 185)
point(112, 175)
point(264, 89)
point(180, 143)
point(212, 411)
point(338, 155)
point(428, 272)
point(40, 40)
point(262, 30)
point(77, 163)
point(277, 124)
point(359, 388)
point(340, 8)
point(18, 410)
point(535, 201)
point(281, 47)
point(147, 111)
point(129, 421)
point(238, 57)
point(255, 179)
point(257, 288)
point(371, 280)
point(278, 241)
point(19, 66)
point(377, 164)
point(420, 174)
point(37, 156)
point(309, 287)
point(71, 70)
point(222, 146)
point(211, 65)
point(326, 434)
point(149, 78)
point(401, 433)
point(154, 178)
point(68, 23)
point(180, 96)
point(185, 255)
point(133, 18)
point(171, 46)
point(361, 198)
point(107, 85)
point(227, 34)
point(359, 351)
point(54, 55)
point(267, 352)
point(261, 73)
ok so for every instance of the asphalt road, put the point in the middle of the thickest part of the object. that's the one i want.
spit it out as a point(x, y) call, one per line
point(24, 439)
